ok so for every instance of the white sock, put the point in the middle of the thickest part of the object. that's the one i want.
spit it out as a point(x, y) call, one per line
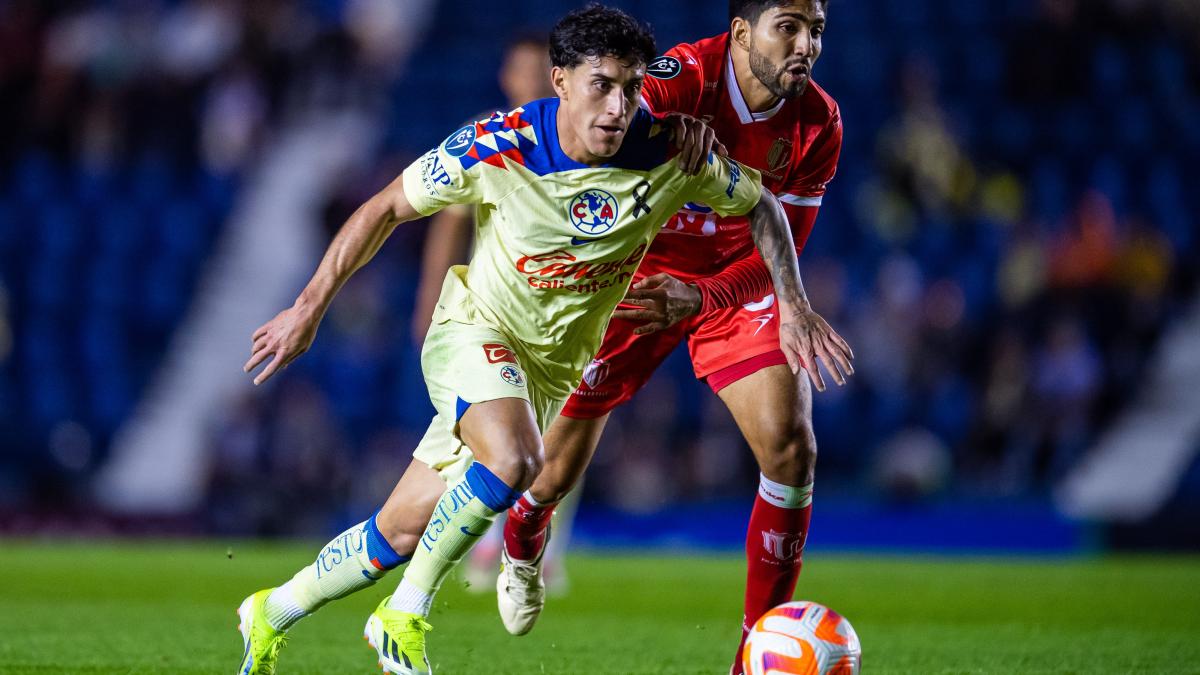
point(410, 598)
point(281, 607)
point(784, 496)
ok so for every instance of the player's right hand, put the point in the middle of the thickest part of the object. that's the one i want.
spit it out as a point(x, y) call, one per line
point(695, 140)
point(285, 337)
point(805, 338)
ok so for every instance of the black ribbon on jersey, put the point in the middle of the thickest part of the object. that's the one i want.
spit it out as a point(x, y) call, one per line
point(639, 198)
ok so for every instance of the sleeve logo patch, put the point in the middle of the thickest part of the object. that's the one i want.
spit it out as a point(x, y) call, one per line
point(735, 175)
point(498, 353)
point(513, 376)
point(664, 68)
point(460, 141)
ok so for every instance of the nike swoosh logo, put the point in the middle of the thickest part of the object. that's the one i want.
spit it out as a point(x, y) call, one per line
point(579, 241)
point(469, 533)
point(762, 321)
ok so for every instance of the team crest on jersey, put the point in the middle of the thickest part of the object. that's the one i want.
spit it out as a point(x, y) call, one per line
point(460, 141)
point(664, 68)
point(593, 212)
point(595, 373)
point(780, 154)
point(512, 375)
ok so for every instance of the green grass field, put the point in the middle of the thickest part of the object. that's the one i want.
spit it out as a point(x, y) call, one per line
point(169, 608)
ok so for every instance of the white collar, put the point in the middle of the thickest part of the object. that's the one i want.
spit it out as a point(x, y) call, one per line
point(739, 102)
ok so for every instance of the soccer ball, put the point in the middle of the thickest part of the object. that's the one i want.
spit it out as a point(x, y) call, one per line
point(802, 638)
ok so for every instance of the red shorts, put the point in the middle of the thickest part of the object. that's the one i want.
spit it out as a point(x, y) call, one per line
point(726, 345)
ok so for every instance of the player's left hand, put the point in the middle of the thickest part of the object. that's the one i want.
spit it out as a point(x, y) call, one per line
point(664, 301)
point(806, 338)
point(695, 140)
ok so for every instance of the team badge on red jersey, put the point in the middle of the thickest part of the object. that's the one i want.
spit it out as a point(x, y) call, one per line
point(780, 154)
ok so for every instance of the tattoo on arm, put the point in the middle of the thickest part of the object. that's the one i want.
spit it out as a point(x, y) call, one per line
point(773, 237)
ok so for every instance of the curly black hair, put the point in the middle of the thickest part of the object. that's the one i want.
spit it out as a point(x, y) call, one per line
point(596, 30)
point(750, 10)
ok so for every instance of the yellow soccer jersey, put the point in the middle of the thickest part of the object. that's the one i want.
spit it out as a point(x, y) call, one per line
point(557, 242)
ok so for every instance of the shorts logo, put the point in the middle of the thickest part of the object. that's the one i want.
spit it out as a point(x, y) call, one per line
point(593, 212)
point(595, 373)
point(762, 321)
point(780, 154)
point(498, 353)
point(460, 141)
point(664, 68)
point(765, 303)
point(511, 375)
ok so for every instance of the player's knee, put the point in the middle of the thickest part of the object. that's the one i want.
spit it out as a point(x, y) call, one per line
point(791, 456)
point(520, 466)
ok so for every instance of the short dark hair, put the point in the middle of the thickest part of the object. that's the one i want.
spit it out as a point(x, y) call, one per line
point(596, 30)
point(750, 10)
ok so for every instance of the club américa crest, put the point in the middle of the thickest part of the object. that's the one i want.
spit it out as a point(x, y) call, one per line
point(593, 211)
point(512, 375)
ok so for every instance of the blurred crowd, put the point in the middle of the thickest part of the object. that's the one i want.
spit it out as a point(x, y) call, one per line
point(1009, 233)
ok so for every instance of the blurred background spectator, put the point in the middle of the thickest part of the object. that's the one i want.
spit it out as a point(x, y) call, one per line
point(1009, 238)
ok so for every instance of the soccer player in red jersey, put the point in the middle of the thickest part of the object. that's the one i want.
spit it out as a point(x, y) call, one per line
point(703, 282)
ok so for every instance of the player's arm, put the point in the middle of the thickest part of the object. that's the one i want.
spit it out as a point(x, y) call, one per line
point(804, 336)
point(433, 182)
point(669, 300)
point(749, 280)
point(293, 330)
point(672, 91)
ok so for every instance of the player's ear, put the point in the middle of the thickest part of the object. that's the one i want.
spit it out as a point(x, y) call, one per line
point(739, 32)
point(558, 80)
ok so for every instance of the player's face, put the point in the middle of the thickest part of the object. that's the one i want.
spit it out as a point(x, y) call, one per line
point(785, 43)
point(599, 99)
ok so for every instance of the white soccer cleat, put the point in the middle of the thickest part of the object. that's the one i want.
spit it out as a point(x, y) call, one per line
point(520, 591)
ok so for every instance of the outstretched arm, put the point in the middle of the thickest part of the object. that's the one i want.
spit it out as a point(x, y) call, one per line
point(804, 336)
point(293, 330)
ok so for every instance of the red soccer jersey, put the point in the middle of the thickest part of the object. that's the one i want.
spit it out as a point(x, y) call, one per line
point(795, 145)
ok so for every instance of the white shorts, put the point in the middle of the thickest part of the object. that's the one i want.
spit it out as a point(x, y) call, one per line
point(464, 364)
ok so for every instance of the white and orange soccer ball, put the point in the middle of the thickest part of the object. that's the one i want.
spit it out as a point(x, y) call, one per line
point(802, 638)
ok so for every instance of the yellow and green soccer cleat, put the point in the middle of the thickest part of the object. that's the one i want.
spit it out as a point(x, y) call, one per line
point(399, 640)
point(262, 641)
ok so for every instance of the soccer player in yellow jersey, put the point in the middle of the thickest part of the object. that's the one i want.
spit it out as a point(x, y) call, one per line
point(569, 192)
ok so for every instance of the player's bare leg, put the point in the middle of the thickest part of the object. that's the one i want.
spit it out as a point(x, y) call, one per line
point(504, 437)
point(773, 409)
point(520, 589)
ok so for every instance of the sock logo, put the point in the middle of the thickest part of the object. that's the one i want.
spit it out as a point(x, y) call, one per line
point(340, 549)
point(451, 503)
point(783, 546)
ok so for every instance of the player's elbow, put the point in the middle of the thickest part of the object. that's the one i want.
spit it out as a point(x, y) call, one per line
point(393, 201)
